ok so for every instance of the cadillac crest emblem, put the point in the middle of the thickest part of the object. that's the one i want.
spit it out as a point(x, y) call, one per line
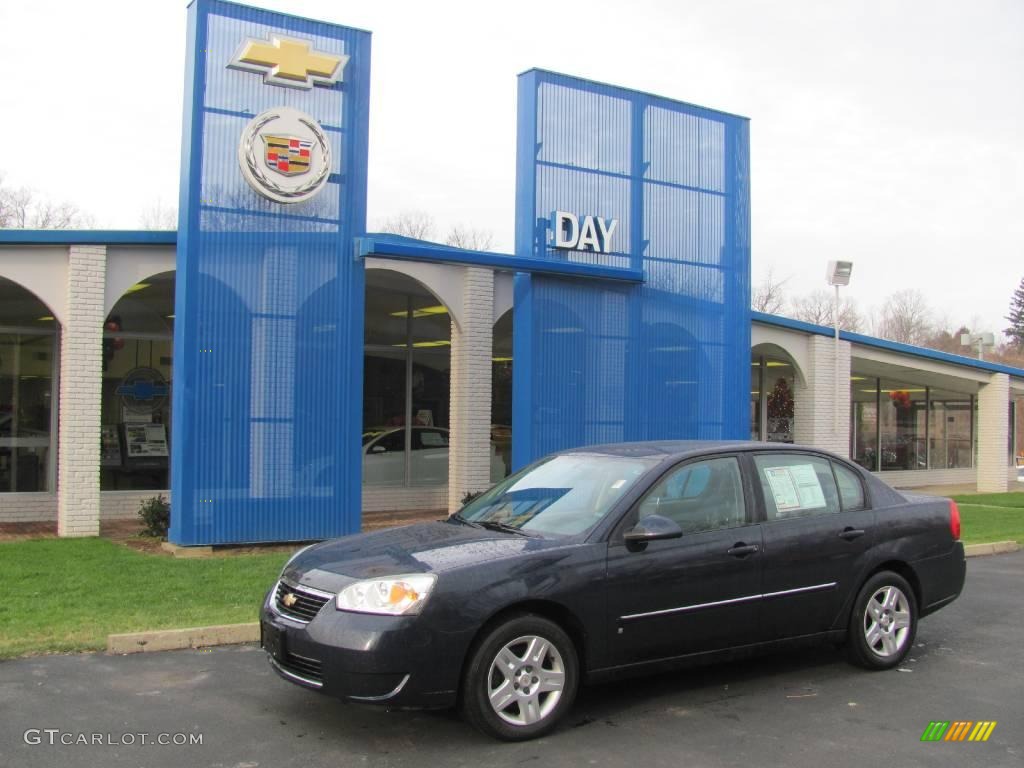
point(285, 155)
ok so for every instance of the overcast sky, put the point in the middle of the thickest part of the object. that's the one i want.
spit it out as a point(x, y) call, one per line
point(887, 133)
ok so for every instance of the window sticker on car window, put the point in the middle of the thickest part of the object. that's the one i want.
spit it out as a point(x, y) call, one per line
point(795, 488)
point(432, 439)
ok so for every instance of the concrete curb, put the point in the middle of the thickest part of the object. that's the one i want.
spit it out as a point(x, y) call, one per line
point(189, 552)
point(994, 548)
point(173, 639)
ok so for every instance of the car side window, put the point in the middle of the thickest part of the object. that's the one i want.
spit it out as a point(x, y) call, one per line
point(391, 442)
point(796, 485)
point(429, 438)
point(851, 490)
point(700, 496)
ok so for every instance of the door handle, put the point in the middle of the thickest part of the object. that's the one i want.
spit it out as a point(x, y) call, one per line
point(849, 533)
point(742, 550)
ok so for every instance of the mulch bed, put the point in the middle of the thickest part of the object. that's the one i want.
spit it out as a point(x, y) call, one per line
point(129, 532)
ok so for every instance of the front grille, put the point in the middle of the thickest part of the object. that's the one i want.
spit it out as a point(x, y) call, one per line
point(305, 606)
point(303, 666)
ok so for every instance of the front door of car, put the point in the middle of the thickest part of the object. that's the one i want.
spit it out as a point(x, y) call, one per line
point(695, 593)
point(816, 533)
point(429, 456)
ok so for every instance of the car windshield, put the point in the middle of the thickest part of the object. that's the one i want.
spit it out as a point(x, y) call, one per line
point(561, 496)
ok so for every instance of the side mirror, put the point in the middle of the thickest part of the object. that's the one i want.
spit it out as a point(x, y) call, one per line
point(653, 528)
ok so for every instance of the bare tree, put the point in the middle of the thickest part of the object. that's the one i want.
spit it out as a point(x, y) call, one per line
point(415, 224)
point(159, 216)
point(23, 208)
point(818, 307)
point(467, 237)
point(906, 317)
point(768, 295)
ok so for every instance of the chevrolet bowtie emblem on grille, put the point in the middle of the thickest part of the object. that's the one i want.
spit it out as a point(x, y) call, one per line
point(289, 62)
point(289, 600)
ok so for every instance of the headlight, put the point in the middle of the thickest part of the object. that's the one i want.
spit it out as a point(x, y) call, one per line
point(392, 596)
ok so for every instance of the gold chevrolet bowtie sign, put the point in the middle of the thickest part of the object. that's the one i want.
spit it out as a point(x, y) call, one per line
point(289, 62)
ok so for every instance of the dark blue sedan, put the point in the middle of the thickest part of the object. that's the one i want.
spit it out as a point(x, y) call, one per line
point(608, 561)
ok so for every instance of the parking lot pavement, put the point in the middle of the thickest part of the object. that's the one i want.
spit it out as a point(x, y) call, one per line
point(804, 708)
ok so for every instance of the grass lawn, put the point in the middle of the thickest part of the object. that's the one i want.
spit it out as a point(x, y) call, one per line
point(69, 594)
point(988, 517)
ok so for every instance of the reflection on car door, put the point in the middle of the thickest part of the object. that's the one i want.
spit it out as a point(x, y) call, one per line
point(692, 594)
point(814, 535)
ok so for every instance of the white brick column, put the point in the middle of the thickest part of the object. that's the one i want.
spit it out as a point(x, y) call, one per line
point(469, 456)
point(994, 435)
point(816, 404)
point(81, 349)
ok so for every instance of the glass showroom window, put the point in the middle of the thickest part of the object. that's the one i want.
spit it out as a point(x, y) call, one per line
point(950, 426)
point(27, 361)
point(501, 395)
point(901, 426)
point(28, 371)
point(135, 406)
point(1017, 434)
point(864, 402)
point(773, 384)
point(406, 383)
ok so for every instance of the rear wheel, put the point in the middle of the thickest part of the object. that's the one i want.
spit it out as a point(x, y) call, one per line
point(883, 623)
point(521, 679)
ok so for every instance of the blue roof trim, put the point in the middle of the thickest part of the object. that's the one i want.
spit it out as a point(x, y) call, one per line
point(87, 237)
point(892, 346)
point(398, 247)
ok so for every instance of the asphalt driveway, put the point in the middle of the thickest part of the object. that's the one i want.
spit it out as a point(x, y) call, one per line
point(805, 708)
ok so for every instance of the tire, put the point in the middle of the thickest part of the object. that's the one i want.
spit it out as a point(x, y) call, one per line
point(883, 623)
point(528, 667)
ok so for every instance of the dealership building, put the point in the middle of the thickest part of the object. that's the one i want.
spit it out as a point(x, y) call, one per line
point(278, 371)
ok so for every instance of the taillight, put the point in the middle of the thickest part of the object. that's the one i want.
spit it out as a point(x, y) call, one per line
point(954, 520)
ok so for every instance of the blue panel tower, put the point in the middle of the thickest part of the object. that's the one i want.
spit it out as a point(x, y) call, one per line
point(269, 303)
point(619, 178)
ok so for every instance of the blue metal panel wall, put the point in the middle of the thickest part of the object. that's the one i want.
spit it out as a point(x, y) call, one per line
point(670, 358)
point(269, 305)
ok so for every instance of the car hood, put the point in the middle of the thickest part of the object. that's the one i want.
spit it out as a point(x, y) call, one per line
point(422, 548)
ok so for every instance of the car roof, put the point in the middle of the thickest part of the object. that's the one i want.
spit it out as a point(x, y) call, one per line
point(680, 449)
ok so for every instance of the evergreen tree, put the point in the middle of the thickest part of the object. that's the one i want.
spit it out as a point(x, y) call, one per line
point(1016, 317)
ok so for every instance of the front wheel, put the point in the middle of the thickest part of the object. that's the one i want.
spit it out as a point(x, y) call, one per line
point(521, 679)
point(883, 623)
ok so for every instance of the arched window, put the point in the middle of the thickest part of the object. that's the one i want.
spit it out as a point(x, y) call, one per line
point(28, 371)
point(135, 412)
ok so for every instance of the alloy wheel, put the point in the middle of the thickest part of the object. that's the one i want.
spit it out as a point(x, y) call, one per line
point(887, 621)
point(526, 680)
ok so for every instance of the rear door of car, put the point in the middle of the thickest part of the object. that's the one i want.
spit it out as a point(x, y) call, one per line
point(817, 528)
point(695, 593)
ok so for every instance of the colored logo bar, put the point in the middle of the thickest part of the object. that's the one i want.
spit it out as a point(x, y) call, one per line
point(958, 730)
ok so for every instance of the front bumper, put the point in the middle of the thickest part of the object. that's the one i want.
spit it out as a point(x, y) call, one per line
point(393, 660)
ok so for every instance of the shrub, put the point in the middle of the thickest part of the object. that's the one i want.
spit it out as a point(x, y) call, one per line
point(155, 514)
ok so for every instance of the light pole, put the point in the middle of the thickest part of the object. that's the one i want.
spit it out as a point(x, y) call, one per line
point(837, 274)
point(981, 340)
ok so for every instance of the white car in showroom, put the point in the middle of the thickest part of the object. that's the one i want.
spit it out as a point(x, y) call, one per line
point(384, 457)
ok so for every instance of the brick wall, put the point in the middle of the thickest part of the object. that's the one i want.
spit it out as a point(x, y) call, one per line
point(124, 505)
point(469, 457)
point(27, 507)
point(815, 406)
point(78, 480)
point(385, 499)
point(993, 434)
